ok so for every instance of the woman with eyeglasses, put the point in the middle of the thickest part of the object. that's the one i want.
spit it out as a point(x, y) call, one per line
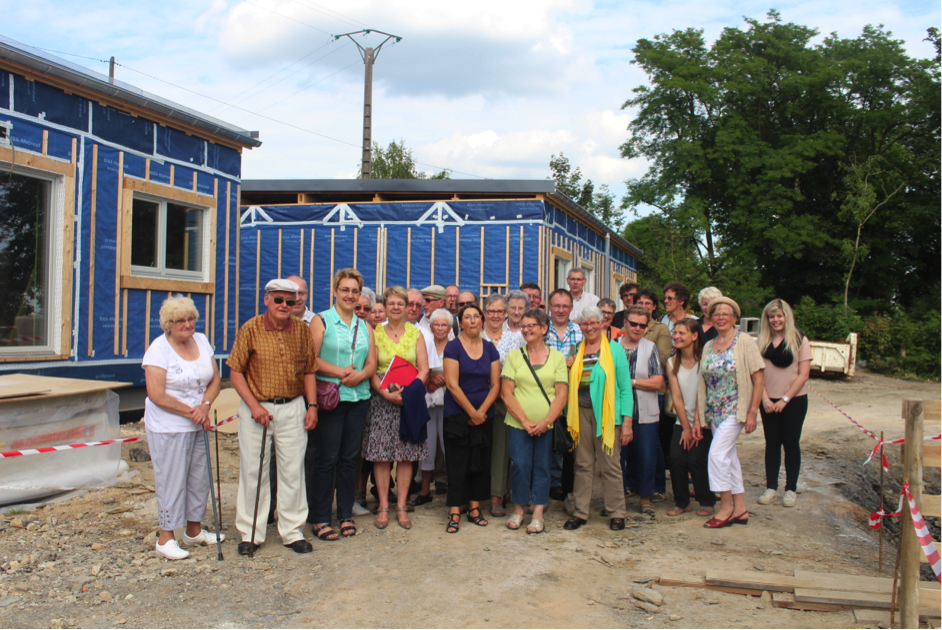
point(182, 382)
point(495, 331)
point(343, 344)
point(728, 396)
point(599, 417)
point(607, 306)
point(534, 386)
point(472, 376)
point(647, 378)
point(382, 444)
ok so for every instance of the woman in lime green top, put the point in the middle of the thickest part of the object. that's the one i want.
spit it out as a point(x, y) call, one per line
point(599, 415)
point(381, 442)
point(534, 399)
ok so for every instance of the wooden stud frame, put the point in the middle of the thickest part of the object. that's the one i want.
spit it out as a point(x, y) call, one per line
point(66, 171)
point(125, 206)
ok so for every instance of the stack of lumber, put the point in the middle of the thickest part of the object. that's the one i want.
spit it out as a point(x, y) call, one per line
point(807, 590)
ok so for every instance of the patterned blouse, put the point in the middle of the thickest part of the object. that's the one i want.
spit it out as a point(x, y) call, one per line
point(719, 370)
point(508, 341)
point(386, 349)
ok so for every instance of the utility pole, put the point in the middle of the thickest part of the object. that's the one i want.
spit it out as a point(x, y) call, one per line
point(369, 56)
point(111, 70)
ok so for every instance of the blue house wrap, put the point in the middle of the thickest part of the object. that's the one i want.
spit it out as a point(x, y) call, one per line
point(107, 154)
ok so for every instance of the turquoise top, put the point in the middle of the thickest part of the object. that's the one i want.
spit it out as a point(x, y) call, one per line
point(335, 349)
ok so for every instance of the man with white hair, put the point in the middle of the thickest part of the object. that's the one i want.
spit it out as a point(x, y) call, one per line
point(272, 363)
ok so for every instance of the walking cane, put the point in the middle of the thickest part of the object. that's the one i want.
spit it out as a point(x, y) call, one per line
point(218, 469)
point(212, 495)
point(258, 489)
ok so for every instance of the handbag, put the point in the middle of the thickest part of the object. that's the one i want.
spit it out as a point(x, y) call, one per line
point(328, 392)
point(562, 440)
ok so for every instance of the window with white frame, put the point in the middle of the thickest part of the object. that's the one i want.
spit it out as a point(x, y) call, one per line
point(589, 278)
point(562, 267)
point(169, 239)
point(28, 260)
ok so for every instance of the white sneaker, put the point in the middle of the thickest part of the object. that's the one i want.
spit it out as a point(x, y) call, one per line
point(203, 538)
point(359, 510)
point(769, 496)
point(172, 551)
point(569, 504)
point(790, 498)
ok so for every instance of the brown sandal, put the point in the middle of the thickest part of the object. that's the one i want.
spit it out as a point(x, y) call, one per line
point(706, 510)
point(677, 510)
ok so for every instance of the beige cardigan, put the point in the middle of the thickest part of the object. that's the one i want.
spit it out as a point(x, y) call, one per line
point(748, 361)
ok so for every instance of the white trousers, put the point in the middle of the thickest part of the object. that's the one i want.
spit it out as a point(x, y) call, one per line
point(725, 472)
point(286, 430)
point(436, 438)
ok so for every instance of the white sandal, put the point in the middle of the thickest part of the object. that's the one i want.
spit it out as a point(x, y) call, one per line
point(535, 527)
point(516, 520)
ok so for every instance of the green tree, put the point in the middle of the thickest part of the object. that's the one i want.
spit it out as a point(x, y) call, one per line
point(600, 204)
point(397, 162)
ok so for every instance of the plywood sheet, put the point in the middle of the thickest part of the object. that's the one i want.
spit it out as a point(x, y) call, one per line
point(17, 387)
point(752, 580)
point(862, 583)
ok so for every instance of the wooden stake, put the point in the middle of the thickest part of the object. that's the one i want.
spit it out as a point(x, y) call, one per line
point(238, 243)
point(880, 530)
point(147, 321)
point(910, 550)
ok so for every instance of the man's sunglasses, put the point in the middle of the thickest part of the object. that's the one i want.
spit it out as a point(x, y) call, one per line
point(465, 303)
point(279, 300)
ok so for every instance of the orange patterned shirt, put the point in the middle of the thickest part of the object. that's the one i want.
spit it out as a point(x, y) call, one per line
point(273, 361)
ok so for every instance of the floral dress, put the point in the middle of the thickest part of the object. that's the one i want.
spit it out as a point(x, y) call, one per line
point(719, 370)
point(381, 441)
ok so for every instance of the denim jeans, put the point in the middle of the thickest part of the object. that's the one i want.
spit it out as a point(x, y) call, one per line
point(531, 459)
point(333, 447)
point(641, 456)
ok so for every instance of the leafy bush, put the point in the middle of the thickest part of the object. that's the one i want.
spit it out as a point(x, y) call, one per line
point(899, 344)
point(825, 322)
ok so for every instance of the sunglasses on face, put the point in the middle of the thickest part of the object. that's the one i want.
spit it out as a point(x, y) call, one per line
point(281, 300)
point(465, 303)
point(637, 325)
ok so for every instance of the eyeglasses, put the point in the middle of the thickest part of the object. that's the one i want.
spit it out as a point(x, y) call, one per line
point(188, 320)
point(441, 325)
point(348, 291)
point(494, 311)
point(465, 303)
point(670, 299)
point(529, 327)
point(432, 299)
point(637, 325)
point(280, 300)
point(561, 306)
point(415, 305)
point(608, 313)
point(361, 308)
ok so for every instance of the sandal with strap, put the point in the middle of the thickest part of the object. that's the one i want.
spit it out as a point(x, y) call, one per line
point(514, 522)
point(535, 527)
point(677, 510)
point(478, 520)
point(325, 532)
point(348, 528)
point(404, 523)
point(453, 523)
point(648, 509)
point(381, 524)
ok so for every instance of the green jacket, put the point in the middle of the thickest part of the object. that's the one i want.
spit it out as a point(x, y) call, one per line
point(624, 401)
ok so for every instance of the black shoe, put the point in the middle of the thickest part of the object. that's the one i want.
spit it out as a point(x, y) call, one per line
point(441, 487)
point(422, 499)
point(574, 523)
point(300, 546)
point(616, 524)
point(556, 492)
point(246, 548)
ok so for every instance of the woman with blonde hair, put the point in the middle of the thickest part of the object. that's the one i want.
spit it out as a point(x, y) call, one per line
point(787, 355)
point(182, 382)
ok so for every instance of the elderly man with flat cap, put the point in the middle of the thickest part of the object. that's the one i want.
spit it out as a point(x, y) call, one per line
point(272, 364)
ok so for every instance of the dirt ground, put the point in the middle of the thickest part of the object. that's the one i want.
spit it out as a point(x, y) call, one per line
point(89, 561)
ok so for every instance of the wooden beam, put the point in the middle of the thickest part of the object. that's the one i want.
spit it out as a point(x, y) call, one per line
point(932, 455)
point(124, 325)
point(42, 163)
point(147, 321)
point(169, 192)
point(225, 261)
point(147, 169)
point(910, 552)
point(408, 258)
point(164, 284)
point(258, 257)
point(91, 253)
point(301, 259)
point(118, 252)
point(931, 505)
point(279, 252)
point(379, 248)
point(45, 150)
point(68, 265)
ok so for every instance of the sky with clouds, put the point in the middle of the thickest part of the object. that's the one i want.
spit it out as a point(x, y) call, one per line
point(488, 89)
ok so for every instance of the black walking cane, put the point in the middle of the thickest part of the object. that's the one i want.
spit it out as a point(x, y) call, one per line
point(212, 495)
point(218, 469)
point(258, 488)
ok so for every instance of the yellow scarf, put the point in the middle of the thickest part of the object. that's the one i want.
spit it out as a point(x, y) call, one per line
point(608, 398)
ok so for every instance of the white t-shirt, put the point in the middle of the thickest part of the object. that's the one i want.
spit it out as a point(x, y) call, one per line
point(687, 379)
point(584, 300)
point(186, 381)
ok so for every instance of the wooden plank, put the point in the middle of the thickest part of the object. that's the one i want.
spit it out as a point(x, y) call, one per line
point(408, 257)
point(162, 284)
point(225, 261)
point(118, 248)
point(928, 599)
point(91, 253)
point(124, 324)
point(45, 150)
point(68, 264)
point(931, 505)
point(752, 580)
point(52, 387)
point(147, 321)
point(910, 552)
point(40, 162)
point(169, 192)
point(699, 582)
point(279, 253)
point(147, 169)
point(840, 581)
point(932, 455)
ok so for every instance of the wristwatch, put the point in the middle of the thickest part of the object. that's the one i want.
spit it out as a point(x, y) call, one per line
point(309, 405)
point(207, 403)
point(786, 399)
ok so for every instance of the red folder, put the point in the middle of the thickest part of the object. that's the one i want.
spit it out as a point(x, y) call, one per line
point(400, 372)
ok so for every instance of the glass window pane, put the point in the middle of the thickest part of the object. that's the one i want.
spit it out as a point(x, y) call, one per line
point(184, 238)
point(144, 233)
point(24, 216)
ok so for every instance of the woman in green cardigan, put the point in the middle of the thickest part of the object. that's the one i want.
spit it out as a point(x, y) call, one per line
point(599, 416)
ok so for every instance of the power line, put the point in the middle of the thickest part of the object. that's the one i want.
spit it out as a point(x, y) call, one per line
point(296, 93)
point(287, 17)
point(342, 17)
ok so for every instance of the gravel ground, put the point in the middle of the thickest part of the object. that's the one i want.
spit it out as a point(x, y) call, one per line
point(90, 561)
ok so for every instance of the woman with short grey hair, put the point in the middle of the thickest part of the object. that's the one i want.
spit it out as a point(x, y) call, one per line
point(706, 296)
point(182, 382)
point(365, 304)
point(518, 303)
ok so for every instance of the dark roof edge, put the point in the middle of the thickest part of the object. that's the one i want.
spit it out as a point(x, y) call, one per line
point(43, 63)
point(564, 200)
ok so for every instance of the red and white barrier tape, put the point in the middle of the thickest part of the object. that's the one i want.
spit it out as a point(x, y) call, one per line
point(67, 447)
point(919, 524)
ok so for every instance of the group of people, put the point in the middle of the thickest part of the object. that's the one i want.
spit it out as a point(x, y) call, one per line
point(520, 402)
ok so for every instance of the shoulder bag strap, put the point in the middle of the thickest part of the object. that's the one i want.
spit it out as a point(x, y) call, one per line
point(535, 377)
point(353, 346)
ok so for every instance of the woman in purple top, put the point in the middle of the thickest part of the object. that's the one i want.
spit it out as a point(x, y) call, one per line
point(472, 379)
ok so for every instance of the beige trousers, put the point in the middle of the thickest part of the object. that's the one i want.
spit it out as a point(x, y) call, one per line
point(286, 430)
point(588, 454)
